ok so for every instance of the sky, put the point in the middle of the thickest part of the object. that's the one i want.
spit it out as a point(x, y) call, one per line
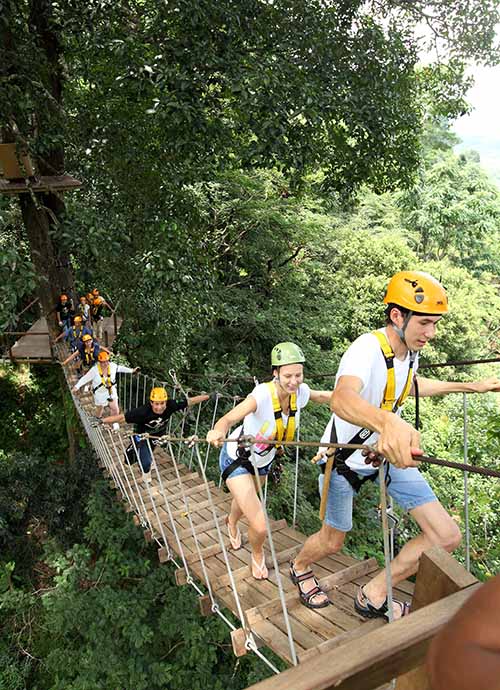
point(480, 130)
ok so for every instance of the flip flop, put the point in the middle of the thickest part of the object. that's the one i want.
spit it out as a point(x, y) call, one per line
point(235, 541)
point(259, 572)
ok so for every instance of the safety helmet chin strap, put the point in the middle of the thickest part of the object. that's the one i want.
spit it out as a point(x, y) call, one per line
point(401, 331)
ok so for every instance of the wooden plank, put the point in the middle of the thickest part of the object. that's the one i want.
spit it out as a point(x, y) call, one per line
point(44, 183)
point(206, 553)
point(327, 584)
point(343, 638)
point(376, 657)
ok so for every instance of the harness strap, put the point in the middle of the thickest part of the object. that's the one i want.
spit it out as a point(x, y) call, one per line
point(389, 401)
point(105, 381)
point(283, 433)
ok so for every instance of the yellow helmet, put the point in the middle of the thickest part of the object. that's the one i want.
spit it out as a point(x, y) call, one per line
point(418, 292)
point(77, 319)
point(103, 356)
point(158, 395)
point(95, 292)
point(86, 337)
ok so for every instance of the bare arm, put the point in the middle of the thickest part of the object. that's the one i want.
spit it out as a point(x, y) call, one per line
point(114, 418)
point(321, 397)
point(216, 435)
point(70, 358)
point(398, 441)
point(86, 378)
point(466, 653)
point(429, 387)
point(197, 399)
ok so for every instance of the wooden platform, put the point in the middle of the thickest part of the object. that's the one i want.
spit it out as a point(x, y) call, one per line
point(314, 632)
point(54, 183)
point(34, 347)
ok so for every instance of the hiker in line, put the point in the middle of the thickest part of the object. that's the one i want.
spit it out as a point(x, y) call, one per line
point(64, 311)
point(270, 413)
point(73, 334)
point(83, 310)
point(151, 418)
point(375, 376)
point(88, 351)
point(102, 376)
point(96, 312)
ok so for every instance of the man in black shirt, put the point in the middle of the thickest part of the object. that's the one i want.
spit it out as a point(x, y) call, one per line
point(64, 311)
point(151, 418)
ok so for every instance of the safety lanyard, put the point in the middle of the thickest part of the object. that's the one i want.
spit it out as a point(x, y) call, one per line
point(389, 401)
point(105, 382)
point(287, 433)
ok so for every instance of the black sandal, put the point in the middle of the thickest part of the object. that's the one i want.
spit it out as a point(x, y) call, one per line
point(366, 608)
point(306, 597)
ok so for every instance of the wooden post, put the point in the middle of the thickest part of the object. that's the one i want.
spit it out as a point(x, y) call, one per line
point(205, 605)
point(163, 555)
point(238, 639)
point(106, 338)
point(115, 323)
point(439, 575)
point(180, 577)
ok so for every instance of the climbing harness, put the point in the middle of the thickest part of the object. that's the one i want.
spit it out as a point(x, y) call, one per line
point(283, 434)
point(389, 403)
point(105, 381)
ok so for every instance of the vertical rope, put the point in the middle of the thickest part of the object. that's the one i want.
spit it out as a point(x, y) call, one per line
point(387, 549)
point(193, 531)
point(243, 619)
point(174, 526)
point(195, 433)
point(466, 485)
point(296, 481)
point(216, 404)
point(155, 509)
point(281, 590)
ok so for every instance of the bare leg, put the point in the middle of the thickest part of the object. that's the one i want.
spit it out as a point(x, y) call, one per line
point(113, 407)
point(99, 410)
point(319, 545)
point(438, 528)
point(247, 502)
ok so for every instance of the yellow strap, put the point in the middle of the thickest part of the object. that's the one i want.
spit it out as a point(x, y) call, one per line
point(281, 432)
point(107, 385)
point(389, 401)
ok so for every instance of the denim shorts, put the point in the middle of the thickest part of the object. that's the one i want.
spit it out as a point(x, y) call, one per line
point(407, 487)
point(225, 460)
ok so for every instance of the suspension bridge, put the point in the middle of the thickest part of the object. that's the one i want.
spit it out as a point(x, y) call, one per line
point(183, 512)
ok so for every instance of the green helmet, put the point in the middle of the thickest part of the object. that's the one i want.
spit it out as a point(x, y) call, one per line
point(286, 353)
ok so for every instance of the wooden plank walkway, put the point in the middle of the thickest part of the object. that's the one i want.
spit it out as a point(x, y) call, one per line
point(315, 631)
point(34, 347)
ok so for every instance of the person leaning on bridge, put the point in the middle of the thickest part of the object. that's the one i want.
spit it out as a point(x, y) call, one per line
point(152, 419)
point(465, 654)
point(271, 413)
point(376, 374)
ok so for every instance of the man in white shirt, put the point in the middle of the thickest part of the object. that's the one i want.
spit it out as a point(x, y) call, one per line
point(375, 376)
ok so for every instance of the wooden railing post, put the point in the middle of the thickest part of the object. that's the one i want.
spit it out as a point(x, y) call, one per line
point(439, 575)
